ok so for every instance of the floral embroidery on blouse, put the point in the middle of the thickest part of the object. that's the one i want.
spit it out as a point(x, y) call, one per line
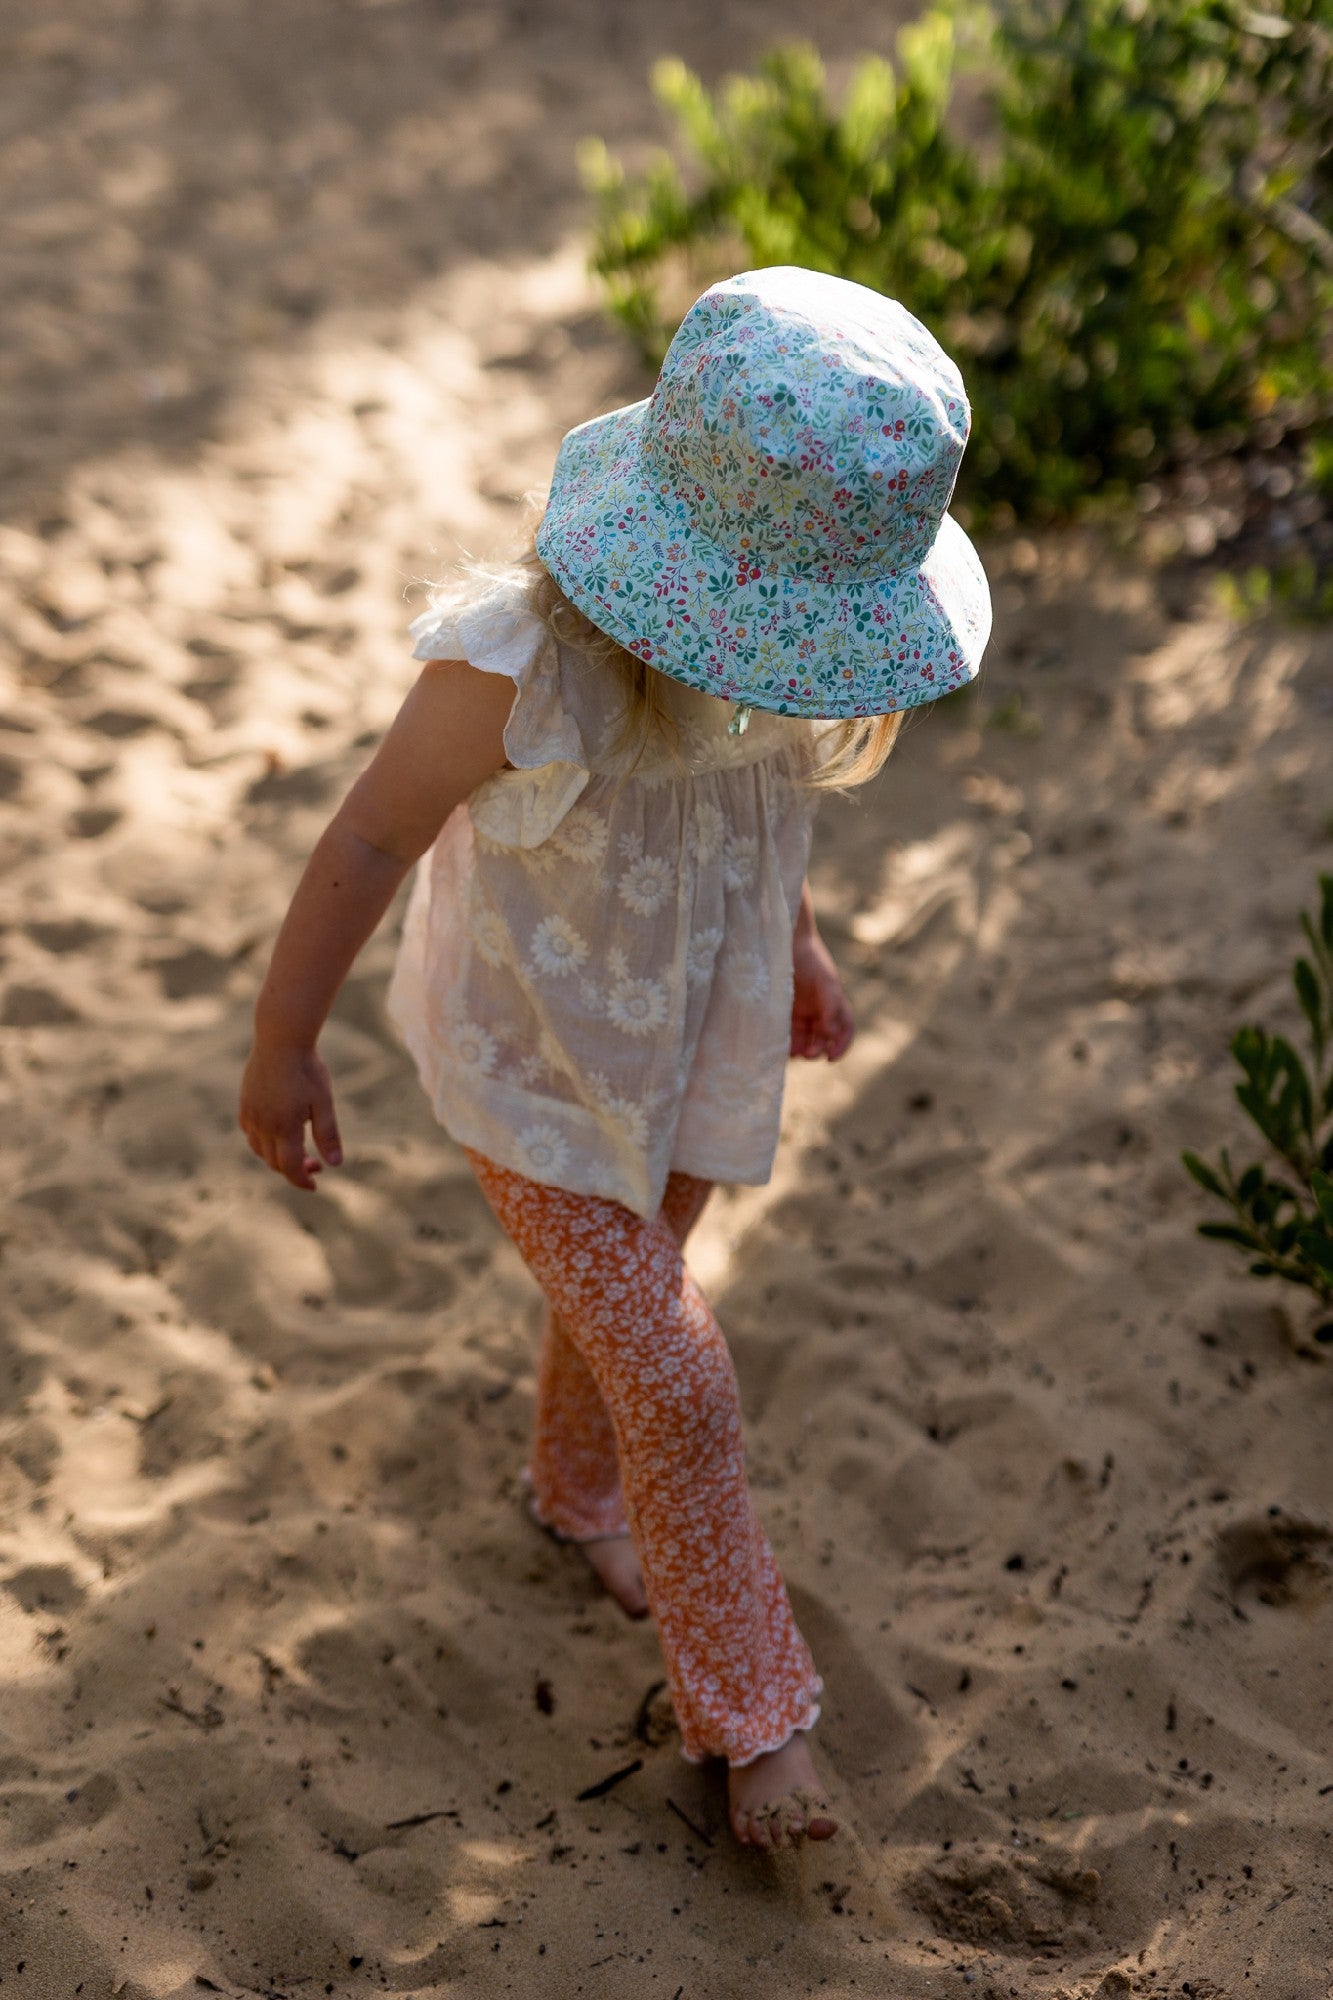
point(746, 973)
point(582, 835)
point(557, 947)
point(546, 1151)
point(709, 832)
point(740, 860)
point(474, 1047)
point(647, 882)
point(624, 1111)
point(489, 935)
point(636, 1006)
point(700, 953)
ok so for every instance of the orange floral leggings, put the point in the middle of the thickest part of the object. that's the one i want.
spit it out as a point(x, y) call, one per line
point(638, 1424)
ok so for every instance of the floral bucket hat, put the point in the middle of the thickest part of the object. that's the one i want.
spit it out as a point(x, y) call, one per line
point(771, 524)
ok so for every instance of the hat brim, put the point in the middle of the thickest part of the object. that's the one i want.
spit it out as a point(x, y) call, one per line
point(795, 640)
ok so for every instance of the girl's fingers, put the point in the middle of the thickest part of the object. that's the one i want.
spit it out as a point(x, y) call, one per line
point(324, 1130)
point(274, 1120)
point(295, 1169)
point(286, 1155)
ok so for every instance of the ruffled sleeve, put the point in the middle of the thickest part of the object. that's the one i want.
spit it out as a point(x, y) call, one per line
point(498, 632)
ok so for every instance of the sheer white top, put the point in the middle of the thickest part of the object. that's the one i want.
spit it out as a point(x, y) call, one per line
point(595, 971)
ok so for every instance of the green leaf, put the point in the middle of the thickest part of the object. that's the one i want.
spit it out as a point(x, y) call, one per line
point(1318, 1248)
point(1226, 1232)
point(1200, 1171)
point(1311, 1003)
point(1264, 1114)
point(1326, 910)
point(1250, 1048)
point(1251, 1184)
point(1283, 1059)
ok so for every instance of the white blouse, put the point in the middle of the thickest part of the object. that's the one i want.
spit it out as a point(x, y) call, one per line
point(595, 974)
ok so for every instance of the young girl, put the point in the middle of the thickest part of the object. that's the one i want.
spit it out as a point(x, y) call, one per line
point(612, 755)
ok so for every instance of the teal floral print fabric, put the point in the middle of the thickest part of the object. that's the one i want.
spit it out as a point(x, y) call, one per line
point(771, 525)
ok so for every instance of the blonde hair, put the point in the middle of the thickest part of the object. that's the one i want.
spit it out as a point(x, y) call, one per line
point(854, 752)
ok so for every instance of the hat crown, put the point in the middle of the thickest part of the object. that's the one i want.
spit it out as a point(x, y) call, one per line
point(808, 422)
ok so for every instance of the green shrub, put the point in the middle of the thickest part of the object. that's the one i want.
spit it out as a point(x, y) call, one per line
point(1134, 266)
point(1286, 1225)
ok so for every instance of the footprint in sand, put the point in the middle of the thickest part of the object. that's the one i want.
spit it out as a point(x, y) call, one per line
point(382, 1437)
point(307, 785)
point(35, 1007)
point(1275, 1560)
point(222, 695)
point(366, 1265)
point(192, 974)
point(62, 937)
point(91, 822)
point(179, 1431)
point(380, 1664)
point(45, 1587)
point(102, 1220)
point(157, 1124)
point(122, 723)
point(35, 1449)
point(31, 1815)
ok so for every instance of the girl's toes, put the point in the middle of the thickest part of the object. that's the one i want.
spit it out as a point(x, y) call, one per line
point(758, 1827)
point(785, 1822)
point(817, 1818)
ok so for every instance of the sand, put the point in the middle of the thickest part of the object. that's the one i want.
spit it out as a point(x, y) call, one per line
point(296, 1699)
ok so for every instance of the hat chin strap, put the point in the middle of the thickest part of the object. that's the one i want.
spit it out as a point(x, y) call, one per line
point(740, 721)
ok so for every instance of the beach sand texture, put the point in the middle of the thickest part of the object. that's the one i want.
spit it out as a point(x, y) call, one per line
point(297, 1701)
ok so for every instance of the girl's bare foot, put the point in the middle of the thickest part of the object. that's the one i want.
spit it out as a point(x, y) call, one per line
point(778, 1801)
point(613, 1559)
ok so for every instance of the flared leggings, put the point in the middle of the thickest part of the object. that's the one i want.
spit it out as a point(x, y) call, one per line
point(638, 1425)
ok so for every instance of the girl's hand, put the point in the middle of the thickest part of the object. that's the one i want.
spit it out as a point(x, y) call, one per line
point(284, 1089)
point(821, 1014)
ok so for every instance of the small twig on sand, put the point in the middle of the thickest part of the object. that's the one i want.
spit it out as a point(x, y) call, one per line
point(209, 1717)
point(697, 1831)
point(605, 1785)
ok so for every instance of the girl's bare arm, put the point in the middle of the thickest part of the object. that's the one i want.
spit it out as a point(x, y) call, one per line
point(447, 738)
